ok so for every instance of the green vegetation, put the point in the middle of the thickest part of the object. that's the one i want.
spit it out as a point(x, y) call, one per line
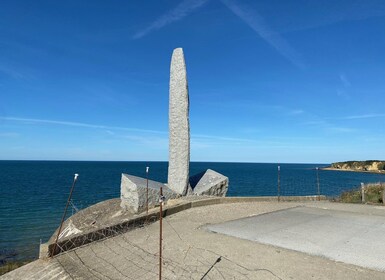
point(373, 194)
point(9, 261)
point(9, 266)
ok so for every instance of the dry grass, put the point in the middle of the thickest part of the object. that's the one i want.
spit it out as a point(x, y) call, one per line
point(9, 266)
point(373, 194)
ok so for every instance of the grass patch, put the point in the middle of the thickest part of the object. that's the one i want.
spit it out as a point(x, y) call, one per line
point(9, 266)
point(373, 194)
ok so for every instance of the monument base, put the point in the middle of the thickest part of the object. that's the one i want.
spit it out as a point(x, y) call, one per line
point(133, 193)
point(133, 190)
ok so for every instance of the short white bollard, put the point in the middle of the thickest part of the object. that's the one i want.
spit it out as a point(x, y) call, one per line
point(362, 193)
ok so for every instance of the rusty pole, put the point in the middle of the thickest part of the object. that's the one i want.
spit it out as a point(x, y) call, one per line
point(147, 168)
point(279, 183)
point(318, 188)
point(161, 199)
point(64, 215)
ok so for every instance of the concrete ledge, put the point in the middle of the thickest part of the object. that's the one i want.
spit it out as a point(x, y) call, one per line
point(143, 219)
point(272, 198)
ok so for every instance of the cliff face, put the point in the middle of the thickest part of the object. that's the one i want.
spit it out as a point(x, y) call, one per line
point(368, 165)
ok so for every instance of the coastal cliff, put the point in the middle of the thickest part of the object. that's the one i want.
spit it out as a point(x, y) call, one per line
point(368, 166)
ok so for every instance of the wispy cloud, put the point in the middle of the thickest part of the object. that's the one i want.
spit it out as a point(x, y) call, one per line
point(344, 80)
point(315, 123)
point(79, 124)
point(9, 134)
point(178, 13)
point(329, 126)
point(110, 130)
point(153, 141)
point(258, 24)
point(296, 112)
point(342, 91)
point(221, 138)
point(366, 116)
point(324, 14)
point(341, 129)
point(11, 72)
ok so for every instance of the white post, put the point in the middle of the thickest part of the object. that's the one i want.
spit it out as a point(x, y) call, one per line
point(362, 193)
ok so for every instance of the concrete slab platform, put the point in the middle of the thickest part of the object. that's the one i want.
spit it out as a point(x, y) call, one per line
point(190, 251)
point(348, 237)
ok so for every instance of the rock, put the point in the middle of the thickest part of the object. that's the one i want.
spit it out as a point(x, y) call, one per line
point(179, 126)
point(133, 193)
point(368, 165)
point(209, 183)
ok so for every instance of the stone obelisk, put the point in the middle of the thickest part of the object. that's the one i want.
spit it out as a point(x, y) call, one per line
point(179, 125)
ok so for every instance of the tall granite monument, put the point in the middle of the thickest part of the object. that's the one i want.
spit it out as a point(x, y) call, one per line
point(179, 125)
point(135, 192)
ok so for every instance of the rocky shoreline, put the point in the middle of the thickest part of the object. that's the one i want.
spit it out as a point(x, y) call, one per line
point(368, 166)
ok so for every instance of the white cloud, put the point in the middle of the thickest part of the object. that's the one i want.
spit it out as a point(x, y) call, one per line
point(342, 93)
point(366, 116)
point(160, 142)
point(176, 14)
point(296, 112)
point(258, 24)
point(15, 74)
point(341, 129)
point(325, 14)
point(344, 80)
point(9, 134)
point(79, 124)
point(221, 138)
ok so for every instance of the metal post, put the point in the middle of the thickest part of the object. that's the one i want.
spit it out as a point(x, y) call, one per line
point(383, 193)
point(161, 199)
point(318, 187)
point(147, 168)
point(64, 215)
point(362, 193)
point(279, 183)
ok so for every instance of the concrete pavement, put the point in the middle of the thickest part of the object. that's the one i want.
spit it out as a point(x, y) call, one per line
point(337, 235)
point(190, 251)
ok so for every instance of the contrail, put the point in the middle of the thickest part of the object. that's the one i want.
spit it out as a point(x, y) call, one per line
point(258, 24)
point(178, 13)
point(79, 124)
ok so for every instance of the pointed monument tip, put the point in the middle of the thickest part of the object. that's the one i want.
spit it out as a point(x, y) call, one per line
point(177, 51)
point(177, 60)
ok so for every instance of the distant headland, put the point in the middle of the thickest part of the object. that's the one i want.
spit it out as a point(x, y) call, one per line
point(372, 166)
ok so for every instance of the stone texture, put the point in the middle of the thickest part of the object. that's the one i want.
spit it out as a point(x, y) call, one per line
point(179, 126)
point(133, 193)
point(209, 183)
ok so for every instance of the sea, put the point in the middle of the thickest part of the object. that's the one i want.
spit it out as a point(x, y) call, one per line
point(33, 194)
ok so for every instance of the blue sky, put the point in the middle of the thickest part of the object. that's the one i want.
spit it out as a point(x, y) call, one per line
point(269, 81)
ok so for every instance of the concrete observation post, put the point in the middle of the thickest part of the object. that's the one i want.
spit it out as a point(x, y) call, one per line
point(179, 125)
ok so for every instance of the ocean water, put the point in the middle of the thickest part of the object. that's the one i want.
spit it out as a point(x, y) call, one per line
point(33, 194)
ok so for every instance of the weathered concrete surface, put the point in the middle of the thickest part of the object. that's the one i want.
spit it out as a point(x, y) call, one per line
point(133, 193)
point(338, 235)
point(38, 270)
point(87, 221)
point(179, 125)
point(189, 251)
point(107, 218)
point(209, 183)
